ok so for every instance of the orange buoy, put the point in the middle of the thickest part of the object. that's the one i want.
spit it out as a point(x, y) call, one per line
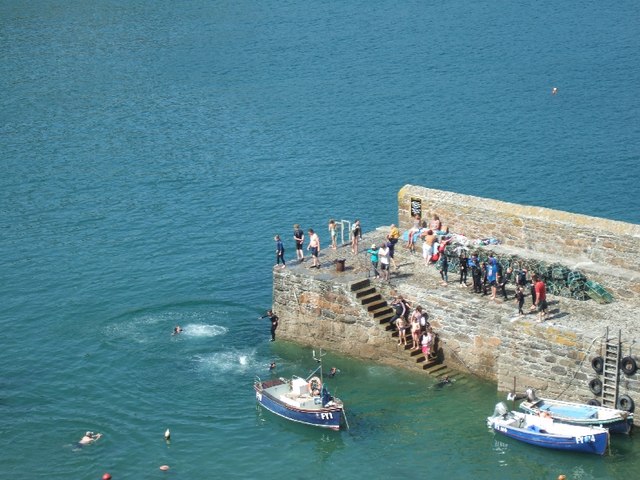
point(106, 476)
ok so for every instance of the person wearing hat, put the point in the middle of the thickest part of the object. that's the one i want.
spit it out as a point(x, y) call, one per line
point(373, 251)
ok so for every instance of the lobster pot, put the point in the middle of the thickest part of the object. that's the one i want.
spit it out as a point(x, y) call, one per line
point(597, 292)
point(576, 280)
point(559, 273)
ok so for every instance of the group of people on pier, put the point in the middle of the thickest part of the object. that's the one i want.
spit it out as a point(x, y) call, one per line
point(416, 323)
point(486, 276)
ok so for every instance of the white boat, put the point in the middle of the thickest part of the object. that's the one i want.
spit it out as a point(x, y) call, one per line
point(544, 432)
point(616, 421)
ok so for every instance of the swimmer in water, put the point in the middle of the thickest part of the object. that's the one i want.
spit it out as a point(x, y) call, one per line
point(272, 366)
point(177, 330)
point(333, 371)
point(88, 438)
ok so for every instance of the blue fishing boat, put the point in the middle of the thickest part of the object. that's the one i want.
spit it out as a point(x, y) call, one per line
point(544, 432)
point(303, 400)
point(616, 421)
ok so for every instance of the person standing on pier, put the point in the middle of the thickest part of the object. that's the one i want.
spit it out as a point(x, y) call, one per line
point(279, 252)
point(333, 234)
point(444, 268)
point(476, 273)
point(464, 265)
point(392, 239)
point(356, 236)
point(298, 237)
point(373, 251)
point(520, 299)
point(503, 279)
point(492, 275)
point(383, 253)
point(541, 296)
point(314, 246)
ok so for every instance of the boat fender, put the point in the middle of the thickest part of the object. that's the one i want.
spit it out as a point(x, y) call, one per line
point(315, 385)
point(598, 364)
point(628, 365)
point(595, 386)
point(593, 402)
point(625, 402)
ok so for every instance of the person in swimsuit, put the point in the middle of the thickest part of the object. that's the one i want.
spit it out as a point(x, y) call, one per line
point(333, 234)
point(356, 235)
point(314, 246)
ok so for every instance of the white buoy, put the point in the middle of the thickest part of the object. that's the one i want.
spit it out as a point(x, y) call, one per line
point(167, 435)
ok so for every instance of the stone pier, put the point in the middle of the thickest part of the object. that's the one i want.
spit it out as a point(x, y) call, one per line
point(318, 307)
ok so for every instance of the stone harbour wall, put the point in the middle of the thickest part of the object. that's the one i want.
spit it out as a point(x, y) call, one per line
point(317, 307)
point(321, 311)
point(607, 251)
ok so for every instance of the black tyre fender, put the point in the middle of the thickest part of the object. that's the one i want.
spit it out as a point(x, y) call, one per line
point(628, 365)
point(594, 402)
point(598, 364)
point(625, 402)
point(595, 386)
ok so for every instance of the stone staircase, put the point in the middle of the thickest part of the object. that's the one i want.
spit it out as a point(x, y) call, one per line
point(382, 312)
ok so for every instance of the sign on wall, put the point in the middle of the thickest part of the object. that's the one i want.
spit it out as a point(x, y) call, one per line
point(416, 207)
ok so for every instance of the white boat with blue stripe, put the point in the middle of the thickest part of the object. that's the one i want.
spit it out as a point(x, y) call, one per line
point(303, 400)
point(544, 432)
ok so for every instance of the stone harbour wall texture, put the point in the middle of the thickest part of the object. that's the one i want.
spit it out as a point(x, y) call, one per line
point(488, 339)
point(607, 251)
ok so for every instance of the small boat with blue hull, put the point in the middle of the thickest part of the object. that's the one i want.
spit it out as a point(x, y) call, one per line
point(302, 400)
point(616, 421)
point(544, 432)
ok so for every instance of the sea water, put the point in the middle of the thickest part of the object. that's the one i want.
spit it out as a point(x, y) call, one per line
point(151, 151)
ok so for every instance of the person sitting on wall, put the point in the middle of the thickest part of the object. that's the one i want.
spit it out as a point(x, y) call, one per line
point(435, 224)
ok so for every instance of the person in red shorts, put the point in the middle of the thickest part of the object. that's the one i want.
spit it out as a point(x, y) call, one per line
point(541, 296)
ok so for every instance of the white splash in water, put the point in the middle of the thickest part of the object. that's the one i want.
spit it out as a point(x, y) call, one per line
point(201, 330)
point(228, 361)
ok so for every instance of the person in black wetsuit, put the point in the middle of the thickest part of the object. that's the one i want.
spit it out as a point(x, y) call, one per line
point(476, 273)
point(274, 323)
point(464, 263)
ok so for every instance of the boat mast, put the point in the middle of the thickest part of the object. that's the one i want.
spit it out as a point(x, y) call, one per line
point(319, 360)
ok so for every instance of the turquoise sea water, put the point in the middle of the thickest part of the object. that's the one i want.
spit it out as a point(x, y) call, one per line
point(151, 150)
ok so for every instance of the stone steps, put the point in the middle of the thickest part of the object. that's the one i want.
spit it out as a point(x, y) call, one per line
point(372, 298)
point(369, 297)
